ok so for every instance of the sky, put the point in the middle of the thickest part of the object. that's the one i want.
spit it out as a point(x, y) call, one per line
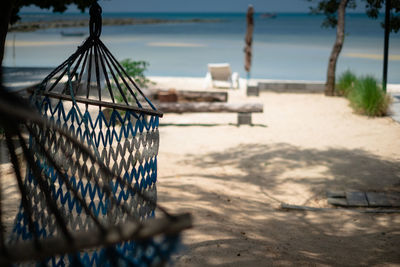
point(195, 6)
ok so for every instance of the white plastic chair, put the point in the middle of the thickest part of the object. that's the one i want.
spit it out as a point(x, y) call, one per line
point(220, 75)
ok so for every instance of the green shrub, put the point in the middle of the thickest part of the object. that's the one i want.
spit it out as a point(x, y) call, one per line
point(346, 83)
point(118, 96)
point(134, 69)
point(368, 98)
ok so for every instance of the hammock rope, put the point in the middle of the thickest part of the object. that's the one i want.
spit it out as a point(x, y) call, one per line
point(89, 194)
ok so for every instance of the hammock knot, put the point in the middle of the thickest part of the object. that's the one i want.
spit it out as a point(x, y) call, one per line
point(95, 20)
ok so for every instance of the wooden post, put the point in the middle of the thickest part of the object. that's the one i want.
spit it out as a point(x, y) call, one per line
point(386, 45)
point(253, 90)
point(244, 118)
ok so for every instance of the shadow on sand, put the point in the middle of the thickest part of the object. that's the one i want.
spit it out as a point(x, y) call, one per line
point(209, 124)
point(233, 229)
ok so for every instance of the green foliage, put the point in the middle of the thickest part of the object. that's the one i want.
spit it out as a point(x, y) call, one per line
point(134, 69)
point(373, 8)
point(56, 5)
point(345, 83)
point(329, 9)
point(118, 96)
point(368, 98)
point(365, 95)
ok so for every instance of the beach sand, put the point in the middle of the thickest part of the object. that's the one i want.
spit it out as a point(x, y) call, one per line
point(233, 180)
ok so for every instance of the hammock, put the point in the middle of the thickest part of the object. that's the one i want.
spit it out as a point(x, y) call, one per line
point(89, 194)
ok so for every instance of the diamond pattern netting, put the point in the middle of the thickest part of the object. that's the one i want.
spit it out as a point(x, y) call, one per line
point(127, 143)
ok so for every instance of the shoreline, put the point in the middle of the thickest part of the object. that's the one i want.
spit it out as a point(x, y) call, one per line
point(31, 75)
point(40, 25)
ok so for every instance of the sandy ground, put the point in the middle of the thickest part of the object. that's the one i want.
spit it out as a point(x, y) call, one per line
point(233, 180)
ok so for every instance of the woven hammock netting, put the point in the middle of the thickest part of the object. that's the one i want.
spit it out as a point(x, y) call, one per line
point(113, 181)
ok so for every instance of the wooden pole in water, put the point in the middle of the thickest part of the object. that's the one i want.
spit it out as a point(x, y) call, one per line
point(249, 40)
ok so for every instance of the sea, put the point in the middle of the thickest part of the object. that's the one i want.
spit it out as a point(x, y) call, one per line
point(291, 46)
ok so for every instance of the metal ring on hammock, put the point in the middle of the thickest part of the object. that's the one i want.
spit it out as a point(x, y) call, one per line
point(90, 179)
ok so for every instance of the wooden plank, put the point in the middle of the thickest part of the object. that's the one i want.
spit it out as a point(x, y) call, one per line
point(147, 111)
point(356, 199)
point(297, 207)
point(210, 107)
point(289, 207)
point(197, 96)
point(28, 251)
point(383, 199)
point(335, 194)
point(337, 201)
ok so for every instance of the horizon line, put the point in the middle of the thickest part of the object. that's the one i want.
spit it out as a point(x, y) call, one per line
point(183, 12)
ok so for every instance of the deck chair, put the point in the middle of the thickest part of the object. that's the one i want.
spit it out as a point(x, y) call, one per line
point(220, 75)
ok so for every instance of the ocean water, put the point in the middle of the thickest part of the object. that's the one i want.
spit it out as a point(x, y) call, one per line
point(290, 46)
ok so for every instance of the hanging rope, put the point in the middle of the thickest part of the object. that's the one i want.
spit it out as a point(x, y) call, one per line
point(95, 21)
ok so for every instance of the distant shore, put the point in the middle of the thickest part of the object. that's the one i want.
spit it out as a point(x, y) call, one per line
point(39, 25)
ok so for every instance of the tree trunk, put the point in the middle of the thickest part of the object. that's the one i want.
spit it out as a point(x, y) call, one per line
point(337, 47)
point(5, 14)
point(191, 107)
point(196, 96)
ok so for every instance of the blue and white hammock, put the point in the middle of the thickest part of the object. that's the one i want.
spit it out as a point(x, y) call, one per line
point(89, 194)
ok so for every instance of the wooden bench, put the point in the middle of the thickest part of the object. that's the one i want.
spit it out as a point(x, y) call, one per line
point(244, 110)
point(190, 96)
